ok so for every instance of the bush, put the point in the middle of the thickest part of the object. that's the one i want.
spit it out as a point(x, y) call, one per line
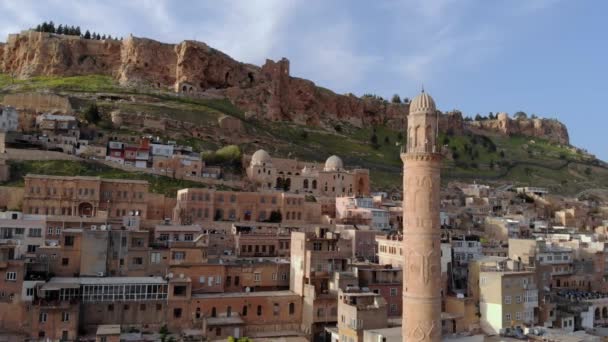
point(227, 155)
point(91, 114)
point(396, 99)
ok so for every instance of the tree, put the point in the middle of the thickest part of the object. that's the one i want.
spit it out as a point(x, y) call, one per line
point(59, 29)
point(588, 171)
point(51, 27)
point(87, 35)
point(478, 117)
point(103, 37)
point(44, 27)
point(91, 114)
point(533, 116)
point(98, 37)
point(520, 115)
point(396, 99)
point(77, 31)
point(491, 116)
point(387, 140)
point(374, 139)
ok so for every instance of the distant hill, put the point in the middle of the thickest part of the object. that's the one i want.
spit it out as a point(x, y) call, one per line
point(289, 117)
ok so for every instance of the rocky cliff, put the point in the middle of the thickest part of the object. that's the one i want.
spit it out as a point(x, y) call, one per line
point(268, 92)
point(549, 129)
point(43, 54)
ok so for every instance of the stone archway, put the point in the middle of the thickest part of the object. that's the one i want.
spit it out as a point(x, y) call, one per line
point(85, 209)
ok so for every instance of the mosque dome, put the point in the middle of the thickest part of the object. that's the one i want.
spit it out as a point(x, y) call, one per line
point(422, 103)
point(260, 157)
point(333, 163)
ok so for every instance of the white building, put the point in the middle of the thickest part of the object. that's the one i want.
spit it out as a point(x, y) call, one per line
point(9, 119)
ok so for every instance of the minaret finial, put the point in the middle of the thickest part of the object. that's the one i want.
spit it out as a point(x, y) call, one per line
point(422, 86)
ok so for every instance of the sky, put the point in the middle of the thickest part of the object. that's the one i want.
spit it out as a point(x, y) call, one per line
point(543, 57)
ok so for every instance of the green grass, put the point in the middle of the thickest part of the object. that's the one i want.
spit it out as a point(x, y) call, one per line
point(88, 83)
point(158, 184)
point(526, 161)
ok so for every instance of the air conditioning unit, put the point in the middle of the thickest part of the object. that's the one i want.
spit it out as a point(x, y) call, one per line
point(102, 227)
point(93, 227)
point(100, 274)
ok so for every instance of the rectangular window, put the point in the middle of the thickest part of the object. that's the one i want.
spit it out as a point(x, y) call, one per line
point(393, 291)
point(12, 276)
point(257, 277)
point(518, 316)
point(218, 280)
point(508, 316)
point(179, 255)
point(42, 317)
point(393, 308)
point(65, 316)
point(65, 261)
point(29, 292)
point(517, 299)
point(138, 261)
point(507, 299)
point(201, 280)
point(68, 241)
point(155, 258)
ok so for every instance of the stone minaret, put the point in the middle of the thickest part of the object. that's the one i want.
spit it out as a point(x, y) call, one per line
point(421, 235)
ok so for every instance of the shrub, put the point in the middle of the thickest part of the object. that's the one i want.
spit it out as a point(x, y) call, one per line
point(91, 114)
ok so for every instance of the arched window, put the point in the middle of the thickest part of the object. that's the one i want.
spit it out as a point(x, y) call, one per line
point(213, 312)
point(259, 310)
point(244, 312)
point(314, 183)
point(292, 308)
point(306, 184)
point(605, 312)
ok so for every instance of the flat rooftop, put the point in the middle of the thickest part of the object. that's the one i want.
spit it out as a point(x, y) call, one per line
point(106, 280)
point(108, 329)
point(136, 181)
point(245, 294)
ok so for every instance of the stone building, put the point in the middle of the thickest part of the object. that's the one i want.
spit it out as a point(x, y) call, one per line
point(84, 196)
point(315, 259)
point(359, 311)
point(197, 205)
point(9, 119)
point(330, 179)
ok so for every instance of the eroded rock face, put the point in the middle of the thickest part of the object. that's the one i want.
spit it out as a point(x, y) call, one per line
point(549, 129)
point(267, 93)
point(147, 62)
point(45, 54)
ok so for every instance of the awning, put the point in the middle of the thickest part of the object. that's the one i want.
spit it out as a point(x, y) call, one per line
point(59, 286)
point(225, 321)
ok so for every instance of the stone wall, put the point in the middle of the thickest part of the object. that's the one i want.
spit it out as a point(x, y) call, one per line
point(11, 197)
point(549, 129)
point(39, 102)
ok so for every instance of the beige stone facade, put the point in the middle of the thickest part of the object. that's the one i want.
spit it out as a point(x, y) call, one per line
point(421, 245)
point(196, 205)
point(84, 196)
point(330, 179)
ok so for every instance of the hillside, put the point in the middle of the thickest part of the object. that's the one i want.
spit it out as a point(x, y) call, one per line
point(188, 87)
point(472, 154)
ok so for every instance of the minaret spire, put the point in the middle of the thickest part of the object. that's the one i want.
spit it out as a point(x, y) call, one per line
point(421, 234)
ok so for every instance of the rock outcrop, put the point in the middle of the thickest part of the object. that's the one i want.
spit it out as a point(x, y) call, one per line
point(267, 93)
point(549, 129)
point(44, 54)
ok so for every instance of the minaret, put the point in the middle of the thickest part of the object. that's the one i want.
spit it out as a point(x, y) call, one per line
point(421, 235)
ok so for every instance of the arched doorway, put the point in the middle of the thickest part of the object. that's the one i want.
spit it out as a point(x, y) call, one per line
point(85, 209)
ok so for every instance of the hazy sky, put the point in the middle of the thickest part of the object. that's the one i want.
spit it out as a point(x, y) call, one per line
point(540, 56)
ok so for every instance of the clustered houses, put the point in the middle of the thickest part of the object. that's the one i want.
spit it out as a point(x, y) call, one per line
point(307, 251)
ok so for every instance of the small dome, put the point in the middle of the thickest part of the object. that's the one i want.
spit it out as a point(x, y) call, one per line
point(260, 157)
point(333, 163)
point(422, 103)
